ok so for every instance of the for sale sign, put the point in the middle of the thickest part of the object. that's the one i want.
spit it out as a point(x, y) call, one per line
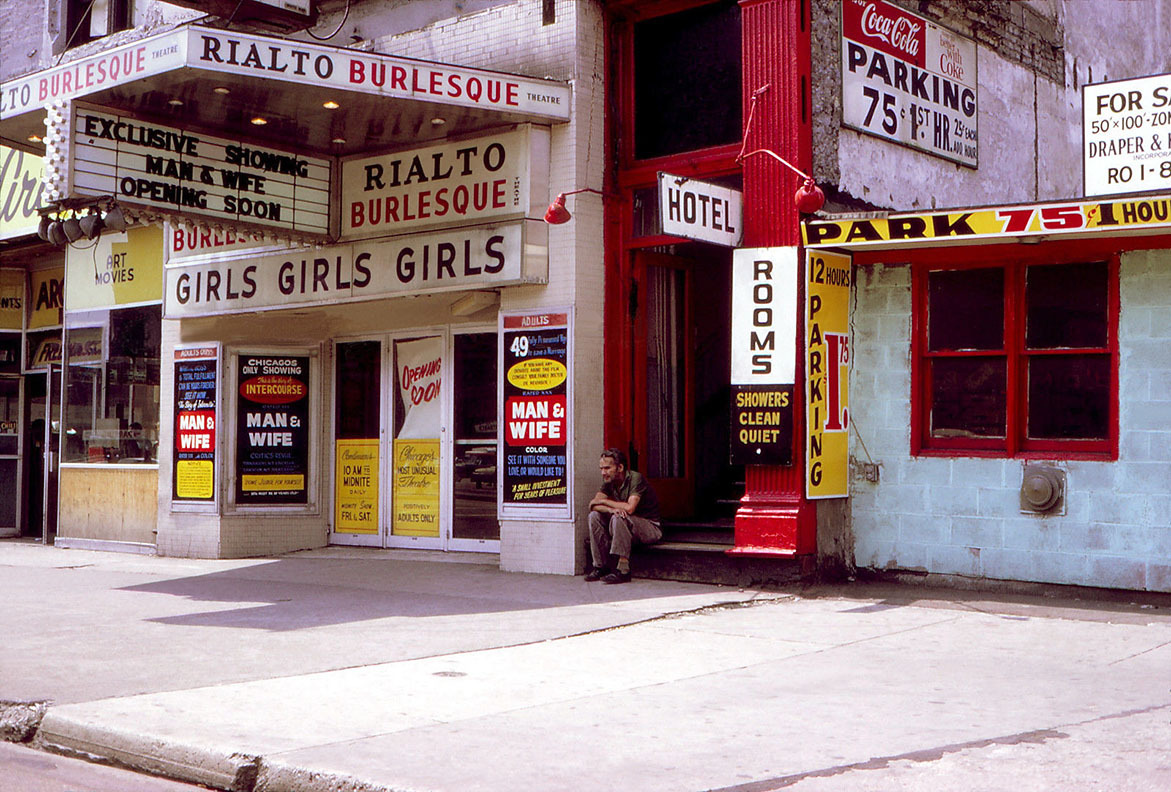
point(909, 80)
point(1126, 127)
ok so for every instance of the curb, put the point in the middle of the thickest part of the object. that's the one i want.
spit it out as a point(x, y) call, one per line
point(180, 761)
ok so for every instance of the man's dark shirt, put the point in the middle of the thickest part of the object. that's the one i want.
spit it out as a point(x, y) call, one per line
point(635, 484)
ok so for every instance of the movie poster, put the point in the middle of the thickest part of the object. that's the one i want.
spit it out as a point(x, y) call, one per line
point(272, 430)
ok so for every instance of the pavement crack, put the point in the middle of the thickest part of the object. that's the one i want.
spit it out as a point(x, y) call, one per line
point(1140, 654)
point(1035, 736)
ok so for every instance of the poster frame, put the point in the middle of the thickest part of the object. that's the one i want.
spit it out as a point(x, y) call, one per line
point(536, 511)
point(231, 406)
point(187, 504)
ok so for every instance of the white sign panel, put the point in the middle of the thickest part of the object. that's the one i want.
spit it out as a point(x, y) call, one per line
point(169, 168)
point(275, 58)
point(699, 210)
point(764, 316)
point(384, 75)
point(909, 80)
point(106, 69)
point(1126, 127)
point(457, 259)
point(488, 178)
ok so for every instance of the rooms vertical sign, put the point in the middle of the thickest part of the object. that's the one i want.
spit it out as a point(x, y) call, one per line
point(764, 355)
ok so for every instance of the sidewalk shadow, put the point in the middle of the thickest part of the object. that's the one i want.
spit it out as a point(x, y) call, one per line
point(295, 594)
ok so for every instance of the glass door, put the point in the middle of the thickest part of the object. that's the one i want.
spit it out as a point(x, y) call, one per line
point(416, 443)
point(358, 398)
point(473, 477)
point(10, 479)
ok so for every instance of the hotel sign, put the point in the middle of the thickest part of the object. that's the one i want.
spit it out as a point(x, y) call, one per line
point(172, 169)
point(764, 355)
point(698, 210)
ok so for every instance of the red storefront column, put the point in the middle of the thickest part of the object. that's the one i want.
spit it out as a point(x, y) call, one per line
point(774, 517)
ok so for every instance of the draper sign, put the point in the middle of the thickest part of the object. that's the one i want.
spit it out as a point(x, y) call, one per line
point(1126, 126)
point(698, 210)
point(169, 168)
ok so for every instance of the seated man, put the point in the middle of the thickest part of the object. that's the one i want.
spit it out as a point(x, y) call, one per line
point(625, 509)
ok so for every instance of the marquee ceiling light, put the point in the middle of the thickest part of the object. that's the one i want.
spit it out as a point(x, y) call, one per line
point(557, 214)
point(175, 102)
point(259, 121)
point(223, 91)
point(809, 198)
point(330, 105)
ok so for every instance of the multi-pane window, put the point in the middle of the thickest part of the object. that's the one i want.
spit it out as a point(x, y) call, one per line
point(1017, 359)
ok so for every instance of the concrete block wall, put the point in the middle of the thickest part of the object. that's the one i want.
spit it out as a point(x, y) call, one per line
point(961, 516)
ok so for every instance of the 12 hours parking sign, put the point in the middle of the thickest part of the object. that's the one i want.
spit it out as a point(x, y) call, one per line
point(909, 80)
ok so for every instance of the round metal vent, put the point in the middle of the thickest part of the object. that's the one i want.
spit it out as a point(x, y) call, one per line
point(1041, 488)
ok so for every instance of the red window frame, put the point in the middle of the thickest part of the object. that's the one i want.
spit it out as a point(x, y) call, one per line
point(1015, 444)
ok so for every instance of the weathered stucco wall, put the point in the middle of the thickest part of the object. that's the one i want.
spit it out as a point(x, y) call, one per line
point(1033, 59)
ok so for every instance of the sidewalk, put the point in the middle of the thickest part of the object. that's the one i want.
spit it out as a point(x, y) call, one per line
point(362, 670)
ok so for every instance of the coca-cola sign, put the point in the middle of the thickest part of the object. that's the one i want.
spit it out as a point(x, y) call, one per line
point(885, 27)
point(910, 81)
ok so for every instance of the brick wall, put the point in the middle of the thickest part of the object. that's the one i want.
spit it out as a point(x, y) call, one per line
point(962, 516)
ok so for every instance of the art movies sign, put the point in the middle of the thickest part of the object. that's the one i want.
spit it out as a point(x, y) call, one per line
point(168, 168)
point(908, 80)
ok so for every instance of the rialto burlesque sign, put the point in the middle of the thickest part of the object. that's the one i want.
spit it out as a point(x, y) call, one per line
point(456, 259)
point(168, 168)
point(299, 62)
point(1072, 218)
point(450, 183)
point(909, 80)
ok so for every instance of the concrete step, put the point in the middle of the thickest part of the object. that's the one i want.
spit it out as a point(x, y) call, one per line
point(707, 561)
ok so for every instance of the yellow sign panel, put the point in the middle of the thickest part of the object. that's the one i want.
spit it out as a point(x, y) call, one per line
point(416, 488)
point(21, 177)
point(11, 299)
point(537, 374)
point(263, 483)
point(121, 269)
point(1001, 222)
point(355, 504)
point(827, 372)
point(194, 479)
point(47, 295)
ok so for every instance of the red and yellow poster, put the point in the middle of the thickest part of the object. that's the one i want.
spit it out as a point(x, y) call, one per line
point(416, 488)
point(356, 487)
point(827, 371)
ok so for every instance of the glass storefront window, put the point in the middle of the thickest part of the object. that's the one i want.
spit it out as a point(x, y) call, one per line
point(112, 385)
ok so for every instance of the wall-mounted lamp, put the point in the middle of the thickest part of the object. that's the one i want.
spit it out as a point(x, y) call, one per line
point(809, 197)
point(107, 215)
point(557, 214)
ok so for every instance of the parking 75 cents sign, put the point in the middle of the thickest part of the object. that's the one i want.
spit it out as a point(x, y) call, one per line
point(909, 81)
